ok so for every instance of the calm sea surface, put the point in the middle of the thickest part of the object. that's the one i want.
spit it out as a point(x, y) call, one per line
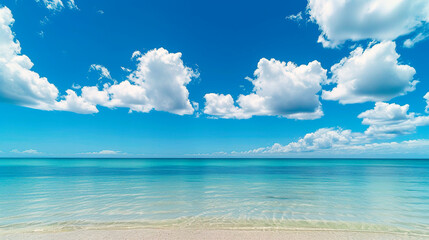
point(360, 195)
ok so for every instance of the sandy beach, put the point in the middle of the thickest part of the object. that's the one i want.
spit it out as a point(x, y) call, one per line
point(155, 234)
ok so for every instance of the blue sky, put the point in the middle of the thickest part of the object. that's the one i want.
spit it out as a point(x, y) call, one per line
point(297, 109)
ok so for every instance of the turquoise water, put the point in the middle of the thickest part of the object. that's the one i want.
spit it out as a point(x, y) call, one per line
point(359, 195)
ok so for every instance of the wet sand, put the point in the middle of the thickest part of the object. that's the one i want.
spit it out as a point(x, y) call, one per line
point(155, 234)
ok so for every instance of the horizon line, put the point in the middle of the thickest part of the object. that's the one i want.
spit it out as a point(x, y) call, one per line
point(218, 158)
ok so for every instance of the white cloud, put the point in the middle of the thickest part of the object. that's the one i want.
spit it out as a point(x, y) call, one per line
point(223, 106)
point(94, 96)
point(104, 152)
point(44, 21)
point(295, 17)
point(196, 107)
point(58, 5)
point(126, 69)
point(164, 77)
point(18, 83)
point(361, 149)
point(373, 74)
point(29, 151)
point(355, 20)
point(76, 104)
point(208, 155)
point(104, 73)
point(427, 102)
point(136, 54)
point(158, 83)
point(324, 138)
point(409, 43)
point(280, 89)
point(385, 121)
point(22, 86)
point(128, 95)
point(408, 146)
point(341, 142)
point(390, 120)
point(72, 5)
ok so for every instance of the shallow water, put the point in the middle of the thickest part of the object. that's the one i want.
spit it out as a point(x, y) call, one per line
point(359, 195)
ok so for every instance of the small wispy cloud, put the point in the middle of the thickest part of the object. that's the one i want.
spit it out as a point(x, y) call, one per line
point(215, 154)
point(58, 5)
point(76, 86)
point(104, 72)
point(28, 151)
point(409, 43)
point(72, 5)
point(44, 21)
point(126, 69)
point(295, 17)
point(103, 152)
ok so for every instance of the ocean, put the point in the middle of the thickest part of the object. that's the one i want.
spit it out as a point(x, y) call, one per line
point(375, 195)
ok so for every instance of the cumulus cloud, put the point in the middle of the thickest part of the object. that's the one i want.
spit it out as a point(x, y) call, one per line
point(373, 74)
point(356, 20)
point(339, 141)
point(18, 83)
point(95, 96)
point(158, 83)
point(163, 77)
point(384, 121)
point(223, 106)
point(390, 120)
point(324, 138)
point(321, 140)
point(77, 104)
point(280, 89)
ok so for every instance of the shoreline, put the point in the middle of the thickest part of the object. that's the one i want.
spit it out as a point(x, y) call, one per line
point(204, 228)
point(197, 234)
